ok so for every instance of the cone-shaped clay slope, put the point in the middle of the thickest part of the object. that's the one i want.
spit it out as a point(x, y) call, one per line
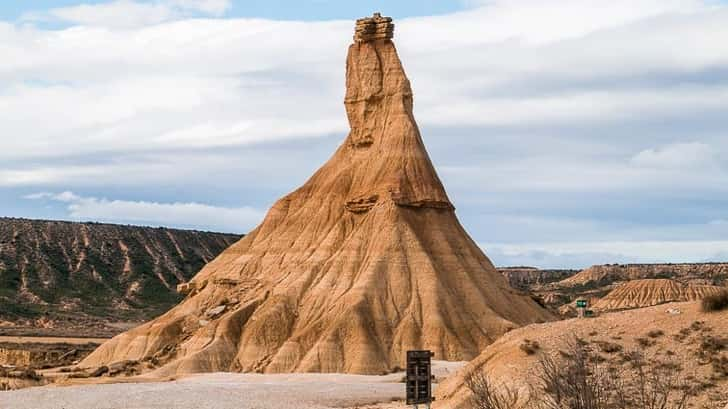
point(363, 262)
point(648, 292)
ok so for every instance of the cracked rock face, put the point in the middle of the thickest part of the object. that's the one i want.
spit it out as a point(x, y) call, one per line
point(363, 262)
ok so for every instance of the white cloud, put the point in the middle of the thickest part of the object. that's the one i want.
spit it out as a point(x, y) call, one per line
point(213, 7)
point(677, 155)
point(230, 82)
point(583, 254)
point(521, 103)
point(60, 197)
point(192, 214)
point(129, 13)
point(539, 22)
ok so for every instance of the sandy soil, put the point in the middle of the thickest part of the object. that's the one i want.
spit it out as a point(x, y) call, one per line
point(680, 329)
point(52, 340)
point(227, 391)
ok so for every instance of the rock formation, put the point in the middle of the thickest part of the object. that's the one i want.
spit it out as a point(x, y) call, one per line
point(648, 292)
point(363, 262)
point(373, 28)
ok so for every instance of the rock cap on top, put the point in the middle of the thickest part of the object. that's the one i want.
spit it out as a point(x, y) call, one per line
point(373, 28)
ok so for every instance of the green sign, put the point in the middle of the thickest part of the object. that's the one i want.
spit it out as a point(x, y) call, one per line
point(581, 303)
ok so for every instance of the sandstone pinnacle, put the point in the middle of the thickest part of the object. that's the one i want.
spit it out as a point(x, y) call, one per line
point(364, 261)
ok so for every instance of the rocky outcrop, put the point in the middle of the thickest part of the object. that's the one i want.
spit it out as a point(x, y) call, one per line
point(648, 292)
point(363, 262)
point(55, 273)
point(42, 355)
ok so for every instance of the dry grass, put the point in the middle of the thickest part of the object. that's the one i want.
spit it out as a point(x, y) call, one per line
point(488, 396)
point(576, 380)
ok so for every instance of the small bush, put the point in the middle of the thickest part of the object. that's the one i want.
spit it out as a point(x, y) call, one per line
point(609, 347)
point(488, 396)
point(645, 342)
point(714, 344)
point(720, 366)
point(697, 325)
point(656, 333)
point(529, 347)
point(715, 302)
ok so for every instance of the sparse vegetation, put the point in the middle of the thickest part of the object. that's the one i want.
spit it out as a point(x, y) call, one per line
point(529, 347)
point(644, 342)
point(485, 395)
point(716, 302)
point(576, 380)
point(609, 347)
point(720, 366)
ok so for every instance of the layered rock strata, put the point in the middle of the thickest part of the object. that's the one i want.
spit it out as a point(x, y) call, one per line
point(364, 261)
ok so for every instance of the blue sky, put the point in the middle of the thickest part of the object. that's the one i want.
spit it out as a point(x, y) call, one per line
point(567, 132)
point(277, 9)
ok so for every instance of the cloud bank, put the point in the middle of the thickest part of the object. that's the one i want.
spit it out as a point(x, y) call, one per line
point(156, 214)
point(549, 122)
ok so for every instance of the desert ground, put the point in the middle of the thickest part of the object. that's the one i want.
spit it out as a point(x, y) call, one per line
point(50, 340)
point(230, 390)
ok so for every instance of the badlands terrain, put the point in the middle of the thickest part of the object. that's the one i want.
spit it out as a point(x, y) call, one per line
point(317, 306)
point(83, 279)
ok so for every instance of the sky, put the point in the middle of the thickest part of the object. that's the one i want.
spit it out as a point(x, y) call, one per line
point(567, 132)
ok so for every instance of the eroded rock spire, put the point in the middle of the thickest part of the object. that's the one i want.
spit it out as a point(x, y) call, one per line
point(363, 262)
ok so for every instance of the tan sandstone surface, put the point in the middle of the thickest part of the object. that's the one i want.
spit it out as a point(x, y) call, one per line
point(645, 293)
point(363, 262)
point(674, 332)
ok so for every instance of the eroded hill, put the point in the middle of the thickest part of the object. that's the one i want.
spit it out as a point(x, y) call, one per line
point(59, 275)
point(689, 281)
point(691, 344)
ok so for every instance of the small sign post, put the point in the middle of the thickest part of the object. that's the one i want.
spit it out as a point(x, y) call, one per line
point(581, 305)
point(419, 378)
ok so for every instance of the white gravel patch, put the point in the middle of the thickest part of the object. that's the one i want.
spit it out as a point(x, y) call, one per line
point(225, 391)
point(216, 391)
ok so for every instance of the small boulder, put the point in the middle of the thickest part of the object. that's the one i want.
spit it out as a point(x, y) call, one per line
point(214, 312)
point(122, 366)
point(99, 371)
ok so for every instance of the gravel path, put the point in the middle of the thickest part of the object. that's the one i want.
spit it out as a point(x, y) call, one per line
point(228, 391)
point(216, 391)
